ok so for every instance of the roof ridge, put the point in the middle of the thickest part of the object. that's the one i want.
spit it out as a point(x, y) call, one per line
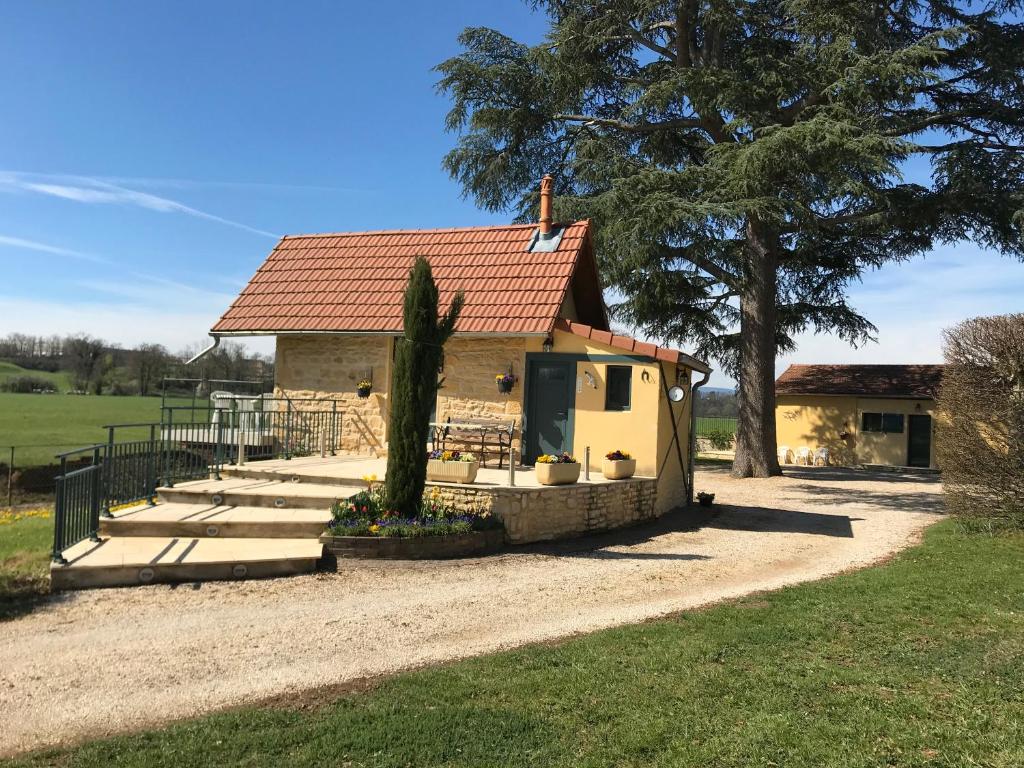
point(431, 230)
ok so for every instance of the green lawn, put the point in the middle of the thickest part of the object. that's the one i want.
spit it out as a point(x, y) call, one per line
point(54, 423)
point(914, 663)
point(706, 424)
point(25, 543)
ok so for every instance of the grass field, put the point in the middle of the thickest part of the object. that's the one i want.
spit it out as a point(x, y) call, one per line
point(914, 663)
point(26, 538)
point(53, 423)
point(708, 424)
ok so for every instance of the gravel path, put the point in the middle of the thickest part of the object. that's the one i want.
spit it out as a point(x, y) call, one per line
point(103, 661)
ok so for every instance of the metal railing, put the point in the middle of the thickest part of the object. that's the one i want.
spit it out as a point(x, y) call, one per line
point(78, 501)
point(189, 443)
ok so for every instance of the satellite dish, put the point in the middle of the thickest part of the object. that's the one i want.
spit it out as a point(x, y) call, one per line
point(676, 394)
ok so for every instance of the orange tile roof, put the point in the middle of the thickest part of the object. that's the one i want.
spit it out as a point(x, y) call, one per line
point(911, 381)
point(354, 281)
point(629, 344)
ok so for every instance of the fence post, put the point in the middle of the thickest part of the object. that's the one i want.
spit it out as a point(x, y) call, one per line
point(10, 480)
point(218, 450)
point(59, 513)
point(168, 480)
point(511, 466)
point(107, 471)
point(288, 431)
point(151, 467)
point(240, 435)
point(334, 426)
point(94, 496)
point(586, 463)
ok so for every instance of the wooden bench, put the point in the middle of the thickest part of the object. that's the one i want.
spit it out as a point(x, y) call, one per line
point(478, 435)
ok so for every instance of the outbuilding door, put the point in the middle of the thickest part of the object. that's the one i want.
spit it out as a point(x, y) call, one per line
point(549, 400)
point(919, 440)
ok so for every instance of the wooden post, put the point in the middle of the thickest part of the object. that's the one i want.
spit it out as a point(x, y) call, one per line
point(10, 480)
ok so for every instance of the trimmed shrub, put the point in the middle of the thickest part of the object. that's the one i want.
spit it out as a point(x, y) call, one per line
point(26, 384)
point(980, 422)
point(720, 439)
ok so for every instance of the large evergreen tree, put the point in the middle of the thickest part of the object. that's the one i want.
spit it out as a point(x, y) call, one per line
point(745, 160)
point(418, 357)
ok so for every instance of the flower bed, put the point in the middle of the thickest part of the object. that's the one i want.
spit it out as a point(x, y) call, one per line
point(362, 526)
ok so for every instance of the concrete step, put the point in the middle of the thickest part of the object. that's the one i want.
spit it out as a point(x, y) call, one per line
point(247, 492)
point(209, 521)
point(343, 473)
point(132, 560)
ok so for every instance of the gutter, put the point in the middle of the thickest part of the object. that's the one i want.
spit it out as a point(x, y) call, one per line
point(693, 435)
point(203, 353)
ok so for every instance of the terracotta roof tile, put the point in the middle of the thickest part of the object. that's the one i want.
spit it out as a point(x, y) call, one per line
point(629, 344)
point(864, 380)
point(355, 281)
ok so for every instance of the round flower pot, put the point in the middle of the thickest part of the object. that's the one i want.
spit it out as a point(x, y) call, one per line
point(452, 471)
point(504, 387)
point(363, 392)
point(557, 474)
point(618, 469)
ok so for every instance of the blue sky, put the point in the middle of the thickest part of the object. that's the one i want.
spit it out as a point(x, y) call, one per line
point(151, 153)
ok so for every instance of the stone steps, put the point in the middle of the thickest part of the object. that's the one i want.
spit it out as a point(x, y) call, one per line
point(254, 492)
point(132, 560)
point(209, 521)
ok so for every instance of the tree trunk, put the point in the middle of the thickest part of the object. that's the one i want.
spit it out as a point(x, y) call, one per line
point(756, 454)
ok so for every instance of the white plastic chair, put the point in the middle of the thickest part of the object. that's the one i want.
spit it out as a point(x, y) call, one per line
point(803, 455)
point(821, 457)
point(785, 455)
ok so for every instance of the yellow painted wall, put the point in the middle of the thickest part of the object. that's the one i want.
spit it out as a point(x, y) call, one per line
point(819, 420)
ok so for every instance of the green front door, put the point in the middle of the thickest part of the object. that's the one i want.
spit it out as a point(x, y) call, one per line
point(549, 402)
point(919, 441)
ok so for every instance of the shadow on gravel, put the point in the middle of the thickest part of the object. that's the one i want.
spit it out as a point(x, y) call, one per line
point(897, 499)
point(766, 520)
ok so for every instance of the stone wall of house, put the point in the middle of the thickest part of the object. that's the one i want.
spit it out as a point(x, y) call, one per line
point(330, 367)
point(559, 512)
point(469, 390)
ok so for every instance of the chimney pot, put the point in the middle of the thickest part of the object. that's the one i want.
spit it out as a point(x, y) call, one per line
point(545, 206)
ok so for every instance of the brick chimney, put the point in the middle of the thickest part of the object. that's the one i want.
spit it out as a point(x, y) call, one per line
point(545, 206)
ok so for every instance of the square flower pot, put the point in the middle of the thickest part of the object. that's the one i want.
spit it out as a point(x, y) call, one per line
point(452, 471)
point(618, 469)
point(557, 474)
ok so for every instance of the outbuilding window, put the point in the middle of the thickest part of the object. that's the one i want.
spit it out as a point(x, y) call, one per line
point(617, 392)
point(888, 423)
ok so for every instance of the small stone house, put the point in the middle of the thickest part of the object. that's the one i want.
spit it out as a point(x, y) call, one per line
point(534, 309)
point(863, 414)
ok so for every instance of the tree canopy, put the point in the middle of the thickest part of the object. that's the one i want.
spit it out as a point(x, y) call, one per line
point(745, 160)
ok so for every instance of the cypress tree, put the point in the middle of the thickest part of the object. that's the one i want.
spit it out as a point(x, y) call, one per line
point(418, 358)
point(743, 160)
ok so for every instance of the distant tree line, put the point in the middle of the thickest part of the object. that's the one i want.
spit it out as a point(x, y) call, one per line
point(96, 367)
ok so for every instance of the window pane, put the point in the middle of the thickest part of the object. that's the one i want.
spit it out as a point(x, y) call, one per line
point(872, 422)
point(892, 422)
point(617, 393)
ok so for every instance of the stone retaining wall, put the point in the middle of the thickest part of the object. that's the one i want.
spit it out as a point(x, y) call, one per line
point(559, 512)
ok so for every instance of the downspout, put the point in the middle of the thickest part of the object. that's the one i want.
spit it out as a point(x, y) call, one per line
point(693, 435)
point(213, 346)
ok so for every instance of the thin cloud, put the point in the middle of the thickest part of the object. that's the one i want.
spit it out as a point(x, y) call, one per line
point(88, 190)
point(35, 245)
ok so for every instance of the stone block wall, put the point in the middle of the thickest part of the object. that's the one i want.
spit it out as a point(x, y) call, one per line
point(560, 512)
point(330, 367)
point(469, 390)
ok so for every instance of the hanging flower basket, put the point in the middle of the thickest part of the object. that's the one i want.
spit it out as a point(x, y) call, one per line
point(505, 382)
point(364, 387)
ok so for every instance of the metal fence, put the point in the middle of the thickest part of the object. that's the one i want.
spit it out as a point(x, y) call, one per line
point(715, 425)
point(188, 443)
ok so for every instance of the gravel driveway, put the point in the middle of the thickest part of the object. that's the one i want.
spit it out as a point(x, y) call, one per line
point(102, 661)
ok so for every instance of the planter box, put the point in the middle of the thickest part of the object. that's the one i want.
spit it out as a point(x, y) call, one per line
point(618, 469)
point(557, 474)
point(421, 548)
point(452, 471)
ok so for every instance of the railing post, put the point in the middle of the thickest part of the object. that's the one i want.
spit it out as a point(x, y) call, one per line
point(334, 427)
point(511, 466)
point(218, 449)
point(151, 467)
point(586, 463)
point(240, 441)
point(60, 513)
point(107, 472)
point(168, 480)
point(96, 486)
point(288, 431)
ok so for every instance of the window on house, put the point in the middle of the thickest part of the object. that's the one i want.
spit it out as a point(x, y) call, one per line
point(882, 422)
point(617, 391)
